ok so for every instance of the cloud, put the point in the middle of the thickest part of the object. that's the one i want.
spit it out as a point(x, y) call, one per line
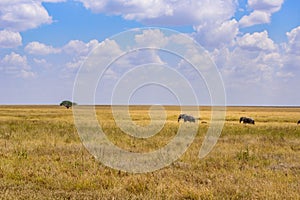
point(151, 38)
point(293, 45)
point(78, 51)
point(240, 67)
point(13, 59)
point(256, 70)
point(250, 77)
point(10, 39)
point(285, 75)
point(291, 55)
point(216, 34)
point(75, 63)
point(266, 5)
point(26, 74)
point(106, 53)
point(77, 47)
point(42, 62)
point(212, 20)
point(21, 15)
point(53, 1)
point(132, 10)
point(255, 60)
point(38, 48)
point(256, 42)
point(165, 12)
point(256, 17)
point(16, 65)
point(262, 12)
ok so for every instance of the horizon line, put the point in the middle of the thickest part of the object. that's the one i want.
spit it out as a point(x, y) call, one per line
point(206, 105)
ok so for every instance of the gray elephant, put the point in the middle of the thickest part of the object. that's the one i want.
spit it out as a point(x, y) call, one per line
point(187, 118)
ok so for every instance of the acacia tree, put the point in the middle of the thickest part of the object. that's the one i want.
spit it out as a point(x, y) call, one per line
point(67, 104)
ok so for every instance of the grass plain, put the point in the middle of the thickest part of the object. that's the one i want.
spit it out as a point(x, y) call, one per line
point(42, 157)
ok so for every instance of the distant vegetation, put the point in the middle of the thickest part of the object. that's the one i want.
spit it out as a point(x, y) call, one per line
point(67, 104)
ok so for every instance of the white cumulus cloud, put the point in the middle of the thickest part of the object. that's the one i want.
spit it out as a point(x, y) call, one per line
point(262, 12)
point(266, 5)
point(53, 1)
point(256, 42)
point(257, 62)
point(77, 47)
point(215, 34)
point(293, 45)
point(291, 55)
point(16, 65)
point(42, 63)
point(256, 17)
point(151, 38)
point(79, 51)
point(21, 15)
point(212, 20)
point(132, 9)
point(165, 12)
point(38, 48)
point(10, 39)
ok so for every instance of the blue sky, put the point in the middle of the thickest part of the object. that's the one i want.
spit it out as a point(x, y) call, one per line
point(255, 45)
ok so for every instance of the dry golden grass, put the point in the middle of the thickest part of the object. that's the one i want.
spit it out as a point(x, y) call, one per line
point(42, 157)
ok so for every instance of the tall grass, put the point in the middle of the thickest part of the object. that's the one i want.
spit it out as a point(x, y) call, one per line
point(42, 157)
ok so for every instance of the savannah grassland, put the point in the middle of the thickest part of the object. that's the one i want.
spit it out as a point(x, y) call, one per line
point(42, 157)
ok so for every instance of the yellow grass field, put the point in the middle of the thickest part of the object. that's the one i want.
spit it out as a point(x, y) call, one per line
point(42, 157)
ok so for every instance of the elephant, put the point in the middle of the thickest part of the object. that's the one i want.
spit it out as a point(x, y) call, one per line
point(187, 118)
point(247, 120)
